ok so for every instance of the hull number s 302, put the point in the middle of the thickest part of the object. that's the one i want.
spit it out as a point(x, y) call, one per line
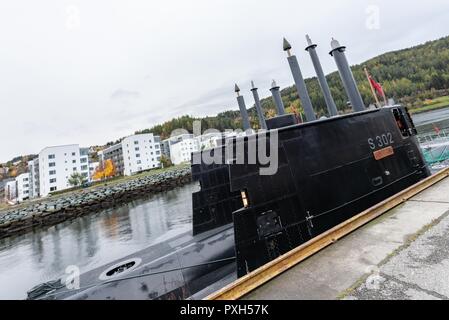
point(381, 141)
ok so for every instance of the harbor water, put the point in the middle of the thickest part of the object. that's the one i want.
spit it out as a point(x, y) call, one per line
point(91, 241)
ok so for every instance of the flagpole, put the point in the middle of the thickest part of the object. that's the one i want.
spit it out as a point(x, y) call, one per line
point(372, 88)
point(385, 98)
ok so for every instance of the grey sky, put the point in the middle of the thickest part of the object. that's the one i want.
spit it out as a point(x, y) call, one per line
point(88, 72)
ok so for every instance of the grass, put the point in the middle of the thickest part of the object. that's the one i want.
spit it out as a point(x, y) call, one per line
point(95, 185)
point(438, 103)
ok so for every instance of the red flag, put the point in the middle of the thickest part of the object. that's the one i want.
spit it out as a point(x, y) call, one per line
point(377, 86)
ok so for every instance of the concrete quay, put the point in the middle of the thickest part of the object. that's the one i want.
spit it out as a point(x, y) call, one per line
point(403, 254)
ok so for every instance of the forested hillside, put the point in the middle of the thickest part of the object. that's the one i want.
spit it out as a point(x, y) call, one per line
point(410, 76)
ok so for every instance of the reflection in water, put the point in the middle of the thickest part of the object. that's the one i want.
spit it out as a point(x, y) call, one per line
point(91, 241)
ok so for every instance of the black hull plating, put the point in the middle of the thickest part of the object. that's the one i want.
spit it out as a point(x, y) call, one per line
point(328, 172)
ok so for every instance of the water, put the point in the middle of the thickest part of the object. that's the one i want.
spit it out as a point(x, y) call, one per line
point(92, 240)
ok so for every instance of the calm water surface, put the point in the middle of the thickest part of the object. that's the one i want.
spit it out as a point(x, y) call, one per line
point(91, 241)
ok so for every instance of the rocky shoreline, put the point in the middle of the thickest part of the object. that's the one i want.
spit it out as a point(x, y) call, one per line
point(50, 211)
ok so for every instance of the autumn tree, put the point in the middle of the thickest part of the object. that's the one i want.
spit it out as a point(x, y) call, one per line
point(105, 170)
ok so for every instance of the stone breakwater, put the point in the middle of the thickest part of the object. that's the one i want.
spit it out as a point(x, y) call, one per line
point(50, 211)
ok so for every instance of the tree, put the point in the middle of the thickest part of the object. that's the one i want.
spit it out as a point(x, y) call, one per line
point(105, 170)
point(166, 162)
point(77, 179)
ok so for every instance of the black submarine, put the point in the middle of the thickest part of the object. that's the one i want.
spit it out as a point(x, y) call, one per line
point(245, 214)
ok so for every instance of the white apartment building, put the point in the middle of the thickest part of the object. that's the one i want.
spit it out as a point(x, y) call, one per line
point(23, 186)
point(213, 139)
point(182, 150)
point(11, 191)
point(166, 144)
point(33, 169)
point(179, 148)
point(56, 164)
point(134, 154)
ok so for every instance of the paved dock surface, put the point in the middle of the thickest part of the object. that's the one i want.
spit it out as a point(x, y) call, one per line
point(404, 254)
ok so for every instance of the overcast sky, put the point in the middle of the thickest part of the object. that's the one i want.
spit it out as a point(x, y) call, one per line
point(92, 71)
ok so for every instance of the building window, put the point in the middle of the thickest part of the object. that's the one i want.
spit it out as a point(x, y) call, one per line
point(52, 164)
point(52, 172)
point(84, 167)
point(73, 153)
point(136, 142)
point(84, 174)
point(139, 162)
point(158, 152)
point(156, 146)
point(26, 185)
point(51, 156)
point(52, 180)
point(136, 148)
point(74, 168)
point(83, 160)
point(73, 161)
point(52, 188)
point(25, 179)
point(137, 155)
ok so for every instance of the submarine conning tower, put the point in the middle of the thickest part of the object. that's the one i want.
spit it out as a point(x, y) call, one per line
point(338, 52)
point(325, 172)
point(330, 103)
